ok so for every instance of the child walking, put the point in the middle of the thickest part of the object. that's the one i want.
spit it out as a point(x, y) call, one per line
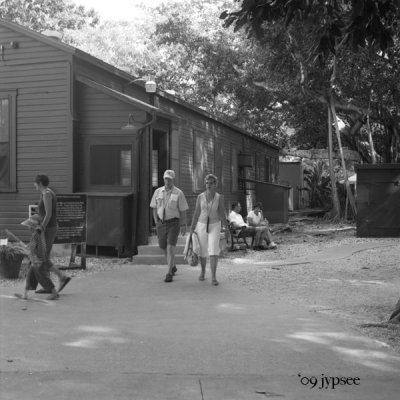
point(37, 256)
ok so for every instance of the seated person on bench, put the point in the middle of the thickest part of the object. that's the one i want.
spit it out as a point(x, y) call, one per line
point(237, 221)
point(256, 219)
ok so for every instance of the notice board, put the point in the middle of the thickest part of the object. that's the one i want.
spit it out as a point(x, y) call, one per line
point(71, 218)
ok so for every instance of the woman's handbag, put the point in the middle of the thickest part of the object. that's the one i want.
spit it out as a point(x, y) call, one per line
point(191, 257)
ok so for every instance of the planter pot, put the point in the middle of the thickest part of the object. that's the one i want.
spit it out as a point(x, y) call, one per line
point(9, 268)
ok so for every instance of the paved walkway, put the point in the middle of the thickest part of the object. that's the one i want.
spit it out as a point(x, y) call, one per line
point(125, 334)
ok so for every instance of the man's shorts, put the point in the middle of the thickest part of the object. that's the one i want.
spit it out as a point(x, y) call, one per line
point(168, 232)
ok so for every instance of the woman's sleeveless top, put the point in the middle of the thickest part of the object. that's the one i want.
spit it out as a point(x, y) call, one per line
point(42, 210)
point(209, 209)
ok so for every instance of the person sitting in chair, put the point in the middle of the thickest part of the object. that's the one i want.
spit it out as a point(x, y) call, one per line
point(237, 221)
point(256, 219)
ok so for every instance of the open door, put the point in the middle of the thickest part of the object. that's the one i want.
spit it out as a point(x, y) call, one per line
point(159, 161)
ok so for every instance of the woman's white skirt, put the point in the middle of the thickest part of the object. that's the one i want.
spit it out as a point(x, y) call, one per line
point(209, 242)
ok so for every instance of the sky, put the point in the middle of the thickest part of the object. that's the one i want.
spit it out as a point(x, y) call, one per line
point(116, 10)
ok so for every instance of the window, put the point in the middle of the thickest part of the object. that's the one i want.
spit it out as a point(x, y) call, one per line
point(258, 167)
point(235, 171)
point(199, 162)
point(111, 165)
point(274, 172)
point(219, 163)
point(7, 141)
point(267, 170)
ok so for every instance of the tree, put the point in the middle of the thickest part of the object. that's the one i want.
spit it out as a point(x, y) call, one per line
point(328, 28)
point(40, 15)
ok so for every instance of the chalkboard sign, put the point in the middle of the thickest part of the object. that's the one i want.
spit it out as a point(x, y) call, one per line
point(71, 218)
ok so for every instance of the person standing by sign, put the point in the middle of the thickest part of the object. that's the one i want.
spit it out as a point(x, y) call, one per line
point(169, 212)
point(208, 217)
point(47, 210)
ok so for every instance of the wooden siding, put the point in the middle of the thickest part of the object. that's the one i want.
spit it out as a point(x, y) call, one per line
point(40, 74)
point(101, 116)
point(184, 133)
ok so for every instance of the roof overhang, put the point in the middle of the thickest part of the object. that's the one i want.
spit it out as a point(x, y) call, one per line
point(141, 105)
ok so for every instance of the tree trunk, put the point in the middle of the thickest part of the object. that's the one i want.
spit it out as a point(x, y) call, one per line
point(371, 143)
point(346, 180)
point(335, 197)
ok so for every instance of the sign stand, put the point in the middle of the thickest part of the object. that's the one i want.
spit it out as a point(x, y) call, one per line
point(74, 248)
point(71, 219)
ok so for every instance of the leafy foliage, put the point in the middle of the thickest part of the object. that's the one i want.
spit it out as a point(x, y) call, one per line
point(40, 15)
point(12, 251)
point(357, 23)
point(317, 179)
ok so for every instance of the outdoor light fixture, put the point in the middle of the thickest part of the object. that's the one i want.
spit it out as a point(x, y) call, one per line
point(150, 84)
point(133, 125)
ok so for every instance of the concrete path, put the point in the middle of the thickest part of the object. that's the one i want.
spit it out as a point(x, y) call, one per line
point(125, 334)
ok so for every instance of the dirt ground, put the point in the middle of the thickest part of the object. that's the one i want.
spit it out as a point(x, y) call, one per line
point(359, 291)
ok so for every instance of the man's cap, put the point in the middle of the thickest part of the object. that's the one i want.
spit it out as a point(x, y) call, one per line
point(32, 222)
point(169, 174)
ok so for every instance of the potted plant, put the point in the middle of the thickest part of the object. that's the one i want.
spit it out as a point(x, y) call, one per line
point(11, 256)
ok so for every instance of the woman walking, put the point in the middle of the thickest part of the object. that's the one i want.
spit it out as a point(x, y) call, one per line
point(208, 218)
point(47, 209)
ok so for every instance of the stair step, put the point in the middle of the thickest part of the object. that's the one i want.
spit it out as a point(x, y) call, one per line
point(153, 240)
point(156, 260)
point(155, 250)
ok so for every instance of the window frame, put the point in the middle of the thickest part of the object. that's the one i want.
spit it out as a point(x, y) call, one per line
point(95, 146)
point(234, 169)
point(267, 171)
point(84, 184)
point(11, 96)
point(198, 184)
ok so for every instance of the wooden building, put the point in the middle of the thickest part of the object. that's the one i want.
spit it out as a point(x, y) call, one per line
point(61, 114)
point(378, 199)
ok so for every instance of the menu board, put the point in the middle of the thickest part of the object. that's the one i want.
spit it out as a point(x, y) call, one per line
point(71, 218)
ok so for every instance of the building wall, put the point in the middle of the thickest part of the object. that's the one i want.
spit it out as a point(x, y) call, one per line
point(220, 144)
point(40, 75)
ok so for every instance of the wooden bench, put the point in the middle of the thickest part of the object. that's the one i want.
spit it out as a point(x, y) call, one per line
point(239, 237)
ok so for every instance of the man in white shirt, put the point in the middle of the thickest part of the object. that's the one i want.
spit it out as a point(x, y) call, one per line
point(169, 212)
point(236, 219)
point(256, 219)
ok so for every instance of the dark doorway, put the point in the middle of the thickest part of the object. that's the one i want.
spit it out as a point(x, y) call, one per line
point(159, 163)
point(160, 157)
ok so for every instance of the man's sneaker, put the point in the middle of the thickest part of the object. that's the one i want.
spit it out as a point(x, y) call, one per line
point(272, 246)
point(168, 278)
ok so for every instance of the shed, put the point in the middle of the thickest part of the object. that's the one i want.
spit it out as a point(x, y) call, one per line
point(61, 114)
point(378, 199)
point(291, 173)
